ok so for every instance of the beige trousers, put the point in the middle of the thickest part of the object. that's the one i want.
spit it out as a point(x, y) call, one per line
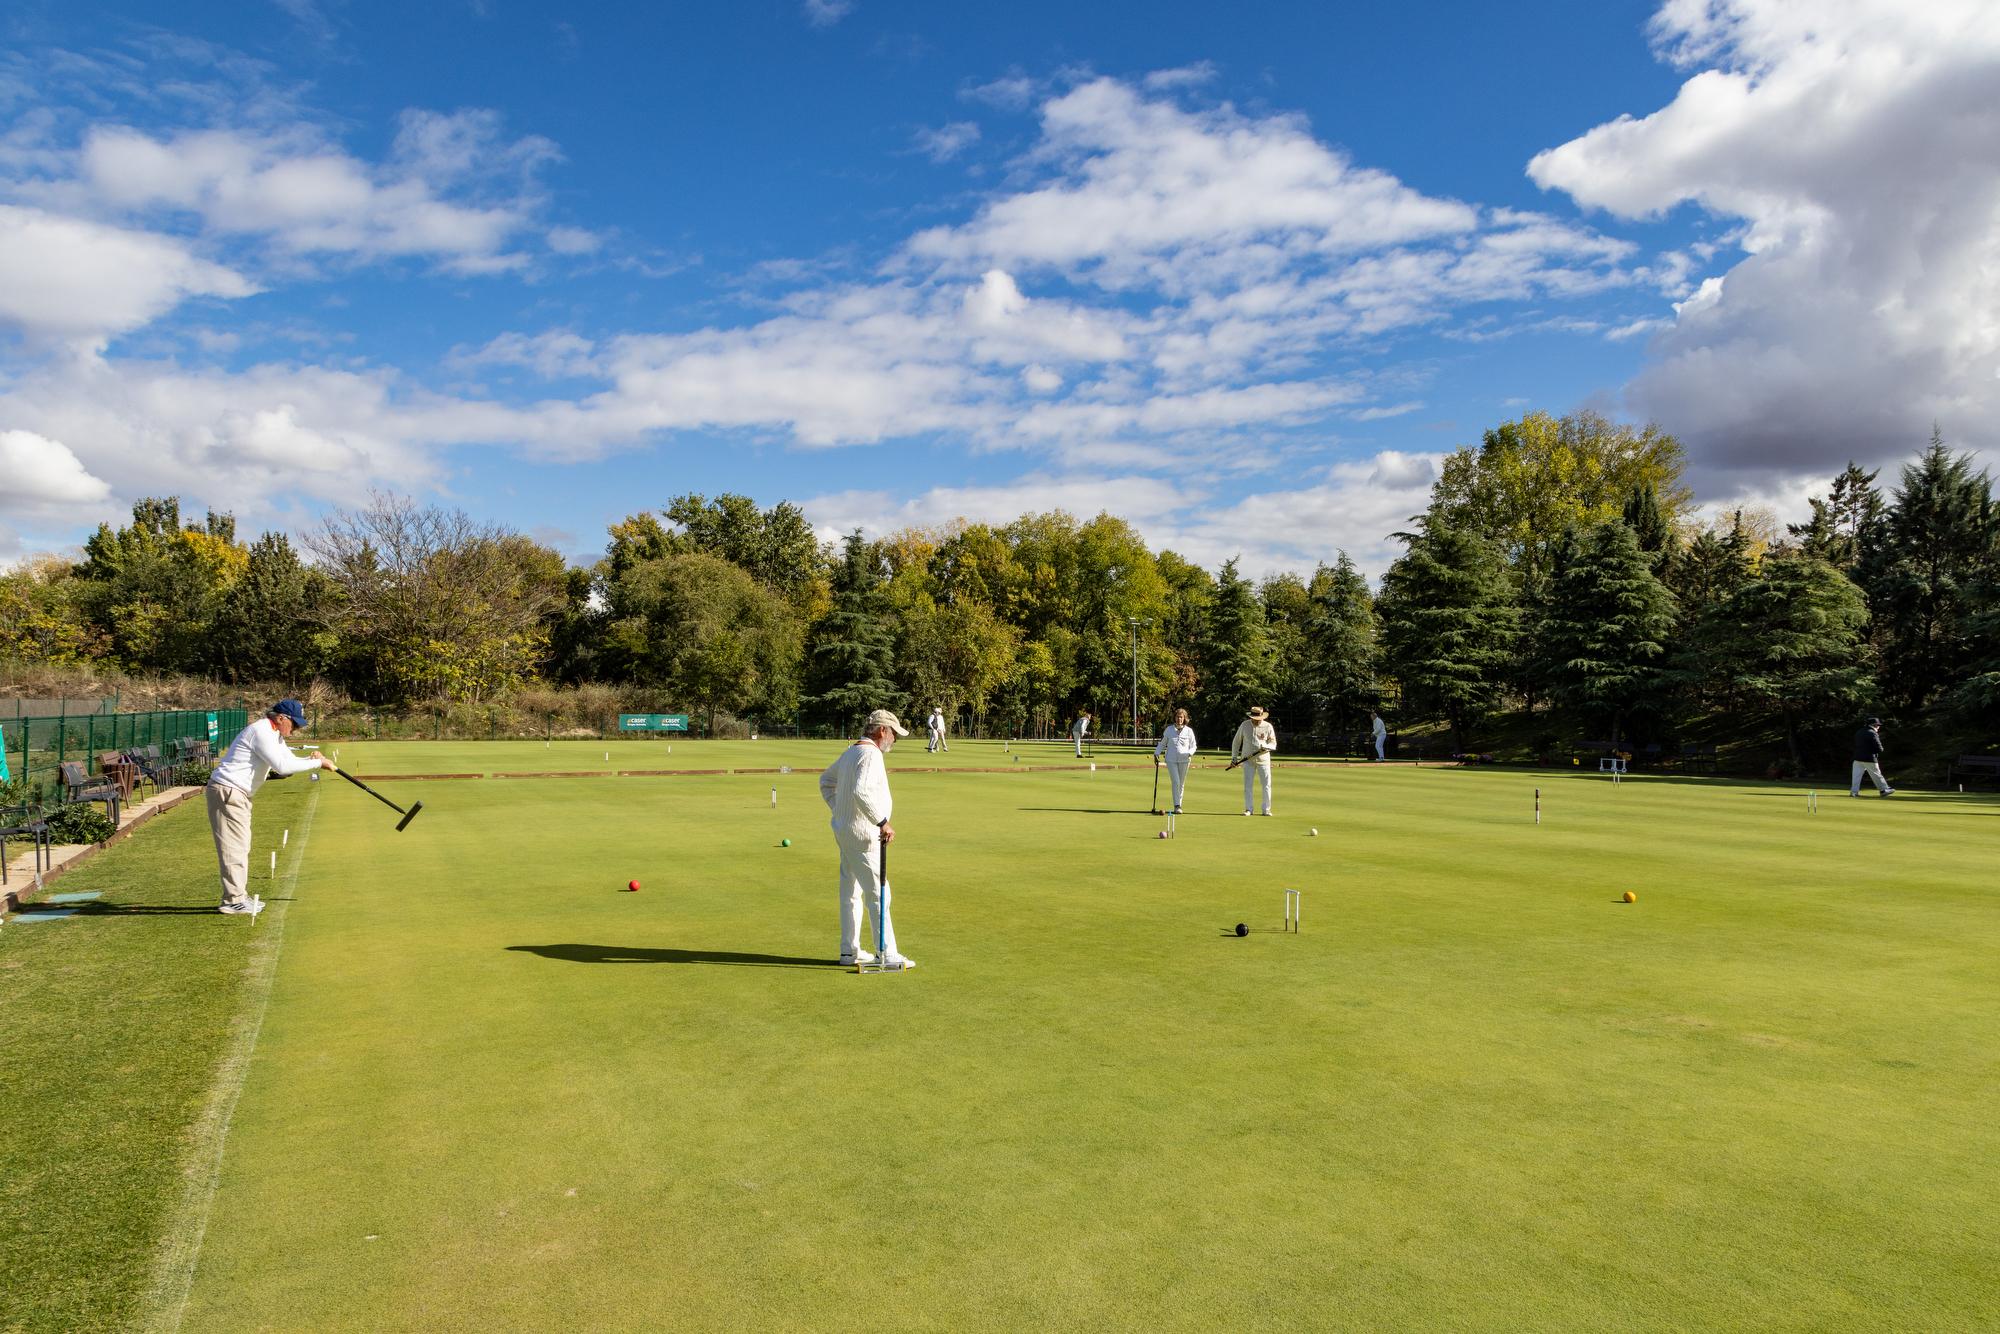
point(229, 821)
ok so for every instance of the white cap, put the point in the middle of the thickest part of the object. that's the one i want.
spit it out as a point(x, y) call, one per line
point(884, 718)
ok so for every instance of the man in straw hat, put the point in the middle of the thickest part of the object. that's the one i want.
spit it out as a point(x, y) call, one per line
point(856, 790)
point(1251, 748)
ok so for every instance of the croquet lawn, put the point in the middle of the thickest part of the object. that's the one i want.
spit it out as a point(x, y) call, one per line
point(489, 1090)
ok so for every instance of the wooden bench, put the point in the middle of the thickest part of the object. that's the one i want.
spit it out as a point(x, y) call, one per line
point(1973, 767)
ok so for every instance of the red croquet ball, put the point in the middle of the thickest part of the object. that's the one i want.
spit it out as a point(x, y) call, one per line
point(632, 885)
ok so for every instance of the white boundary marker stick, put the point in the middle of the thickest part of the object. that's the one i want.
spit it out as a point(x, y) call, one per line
point(1294, 910)
point(274, 865)
point(1538, 805)
point(287, 841)
point(774, 799)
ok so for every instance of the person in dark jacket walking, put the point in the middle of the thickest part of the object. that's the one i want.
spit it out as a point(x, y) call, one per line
point(1868, 760)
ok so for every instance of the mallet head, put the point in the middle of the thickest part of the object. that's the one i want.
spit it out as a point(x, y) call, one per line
point(408, 816)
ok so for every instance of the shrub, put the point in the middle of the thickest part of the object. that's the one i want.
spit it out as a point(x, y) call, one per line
point(79, 823)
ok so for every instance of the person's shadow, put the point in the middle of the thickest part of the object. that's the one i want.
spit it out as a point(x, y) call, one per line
point(634, 954)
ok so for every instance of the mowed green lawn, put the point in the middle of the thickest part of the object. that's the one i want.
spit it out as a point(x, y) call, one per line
point(491, 1091)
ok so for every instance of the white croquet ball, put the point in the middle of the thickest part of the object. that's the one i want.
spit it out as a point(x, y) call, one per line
point(1315, 833)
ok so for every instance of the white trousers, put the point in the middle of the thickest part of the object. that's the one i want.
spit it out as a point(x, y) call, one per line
point(229, 821)
point(1379, 742)
point(1873, 768)
point(1258, 769)
point(1177, 778)
point(1079, 745)
point(860, 882)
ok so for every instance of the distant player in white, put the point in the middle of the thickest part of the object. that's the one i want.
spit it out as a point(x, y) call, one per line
point(935, 727)
point(1177, 749)
point(856, 789)
point(1251, 748)
point(1381, 730)
point(1079, 730)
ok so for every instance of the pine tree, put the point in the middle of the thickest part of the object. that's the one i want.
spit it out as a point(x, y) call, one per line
point(1934, 545)
point(850, 651)
point(1846, 522)
point(1236, 659)
point(1341, 647)
point(1449, 625)
point(1648, 522)
point(1604, 631)
point(1791, 640)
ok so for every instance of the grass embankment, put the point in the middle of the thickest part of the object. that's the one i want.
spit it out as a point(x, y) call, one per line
point(113, 1021)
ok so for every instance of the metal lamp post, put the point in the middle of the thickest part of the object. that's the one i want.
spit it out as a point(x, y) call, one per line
point(1135, 622)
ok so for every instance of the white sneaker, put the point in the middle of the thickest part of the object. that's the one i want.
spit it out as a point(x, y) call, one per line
point(1247, 812)
point(849, 960)
point(900, 963)
point(252, 905)
point(1267, 814)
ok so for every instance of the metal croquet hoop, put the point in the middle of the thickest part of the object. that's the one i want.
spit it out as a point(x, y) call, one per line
point(1294, 910)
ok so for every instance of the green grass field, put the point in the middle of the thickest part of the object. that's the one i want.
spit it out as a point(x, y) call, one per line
point(489, 1091)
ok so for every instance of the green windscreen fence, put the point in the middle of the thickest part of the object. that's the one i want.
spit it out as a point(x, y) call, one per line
point(35, 746)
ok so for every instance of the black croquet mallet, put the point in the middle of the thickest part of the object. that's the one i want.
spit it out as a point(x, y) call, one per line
point(408, 815)
point(1156, 786)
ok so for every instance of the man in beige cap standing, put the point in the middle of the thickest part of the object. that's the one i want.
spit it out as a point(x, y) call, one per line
point(1251, 748)
point(856, 790)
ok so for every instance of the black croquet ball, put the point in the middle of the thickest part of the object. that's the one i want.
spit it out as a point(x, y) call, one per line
point(1242, 929)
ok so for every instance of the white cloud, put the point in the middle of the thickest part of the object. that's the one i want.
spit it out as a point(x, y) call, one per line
point(826, 13)
point(69, 278)
point(947, 141)
point(574, 241)
point(1141, 179)
point(1858, 141)
point(310, 199)
point(1353, 507)
point(1385, 413)
point(41, 471)
point(1186, 76)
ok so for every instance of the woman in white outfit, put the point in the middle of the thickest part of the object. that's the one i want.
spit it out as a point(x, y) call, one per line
point(1251, 748)
point(1079, 730)
point(1177, 749)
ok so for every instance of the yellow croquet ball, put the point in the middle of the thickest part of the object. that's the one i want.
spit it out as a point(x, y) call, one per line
point(1630, 897)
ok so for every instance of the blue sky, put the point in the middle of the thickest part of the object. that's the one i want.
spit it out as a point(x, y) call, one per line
point(1239, 273)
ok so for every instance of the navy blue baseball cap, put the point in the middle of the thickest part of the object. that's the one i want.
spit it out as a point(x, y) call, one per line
point(290, 708)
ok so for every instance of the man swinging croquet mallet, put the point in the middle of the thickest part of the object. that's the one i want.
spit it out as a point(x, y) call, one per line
point(258, 751)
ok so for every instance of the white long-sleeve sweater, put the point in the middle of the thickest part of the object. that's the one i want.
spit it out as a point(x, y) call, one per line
point(1176, 743)
point(855, 788)
point(1252, 740)
point(257, 753)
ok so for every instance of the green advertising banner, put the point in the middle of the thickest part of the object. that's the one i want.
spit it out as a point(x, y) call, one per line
point(652, 722)
point(214, 733)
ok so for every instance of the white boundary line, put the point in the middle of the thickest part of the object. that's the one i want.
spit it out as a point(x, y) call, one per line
point(186, 1224)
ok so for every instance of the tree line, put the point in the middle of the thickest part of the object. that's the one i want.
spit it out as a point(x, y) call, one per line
point(1556, 572)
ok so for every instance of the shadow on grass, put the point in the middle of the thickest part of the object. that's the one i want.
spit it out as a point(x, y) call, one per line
point(1114, 810)
point(633, 954)
point(101, 909)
